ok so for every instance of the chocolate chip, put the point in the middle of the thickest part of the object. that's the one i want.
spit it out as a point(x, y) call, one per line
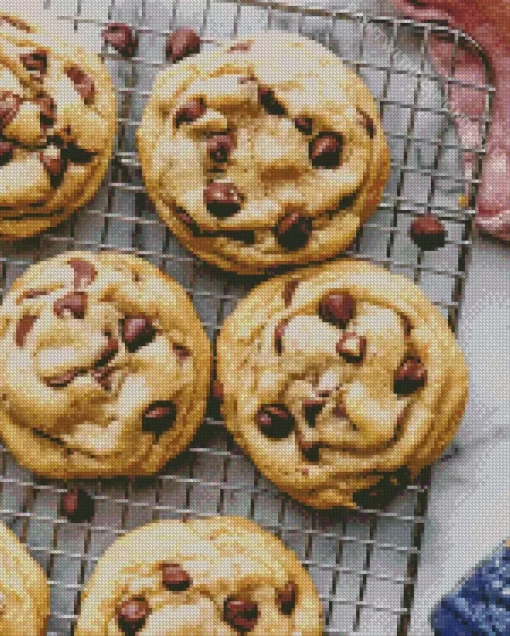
point(347, 201)
point(109, 352)
point(75, 154)
point(309, 450)
point(31, 293)
point(181, 352)
point(278, 334)
point(219, 146)
point(23, 328)
point(351, 347)
point(103, 376)
point(242, 615)
point(380, 494)
point(132, 615)
point(339, 411)
point(410, 376)
point(77, 505)
point(222, 199)
point(84, 272)
point(275, 421)
point(428, 232)
point(240, 46)
point(189, 111)
point(217, 390)
point(36, 61)
point(159, 417)
point(55, 164)
point(83, 83)
point(287, 598)
point(62, 380)
point(304, 125)
point(74, 303)
point(121, 37)
point(337, 308)
point(186, 219)
point(288, 290)
point(10, 104)
point(175, 578)
point(182, 43)
point(6, 152)
point(137, 331)
point(48, 110)
point(325, 150)
point(293, 231)
point(269, 102)
point(311, 409)
point(367, 122)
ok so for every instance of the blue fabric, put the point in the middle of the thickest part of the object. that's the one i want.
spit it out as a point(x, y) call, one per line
point(480, 605)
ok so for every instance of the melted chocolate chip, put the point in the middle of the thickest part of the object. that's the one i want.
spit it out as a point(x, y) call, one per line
point(74, 303)
point(10, 104)
point(186, 219)
point(287, 598)
point(367, 122)
point(189, 112)
point(217, 390)
point(48, 110)
point(175, 578)
point(121, 37)
point(311, 409)
point(181, 352)
point(83, 83)
point(109, 352)
point(240, 46)
point(242, 615)
point(137, 331)
point(222, 199)
point(269, 102)
point(35, 61)
point(103, 376)
point(293, 231)
point(159, 417)
point(379, 495)
point(428, 232)
point(75, 154)
point(410, 376)
point(337, 308)
point(62, 380)
point(6, 152)
point(288, 291)
point(23, 328)
point(182, 43)
point(325, 150)
point(219, 147)
point(309, 450)
point(351, 347)
point(84, 272)
point(132, 615)
point(347, 201)
point(304, 125)
point(278, 335)
point(54, 163)
point(339, 411)
point(275, 421)
point(31, 293)
point(77, 505)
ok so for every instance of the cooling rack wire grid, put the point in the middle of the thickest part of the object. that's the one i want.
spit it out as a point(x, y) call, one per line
point(364, 563)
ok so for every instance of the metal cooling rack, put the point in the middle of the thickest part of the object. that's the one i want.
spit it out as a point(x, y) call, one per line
point(364, 563)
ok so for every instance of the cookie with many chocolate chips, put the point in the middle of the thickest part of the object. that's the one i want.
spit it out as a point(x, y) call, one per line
point(264, 153)
point(104, 367)
point(340, 381)
point(221, 575)
point(57, 127)
point(24, 591)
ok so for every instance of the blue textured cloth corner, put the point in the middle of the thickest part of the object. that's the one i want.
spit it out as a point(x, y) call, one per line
point(480, 605)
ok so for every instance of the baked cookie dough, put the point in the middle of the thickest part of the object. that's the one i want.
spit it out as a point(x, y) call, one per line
point(220, 576)
point(104, 367)
point(57, 127)
point(264, 153)
point(24, 594)
point(340, 381)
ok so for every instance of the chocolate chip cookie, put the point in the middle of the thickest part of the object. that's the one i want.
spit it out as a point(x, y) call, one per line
point(57, 126)
point(104, 366)
point(264, 153)
point(24, 593)
point(222, 576)
point(341, 382)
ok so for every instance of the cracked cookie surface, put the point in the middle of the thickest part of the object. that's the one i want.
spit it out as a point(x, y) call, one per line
point(24, 593)
point(104, 366)
point(339, 381)
point(57, 126)
point(220, 576)
point(264, 153)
